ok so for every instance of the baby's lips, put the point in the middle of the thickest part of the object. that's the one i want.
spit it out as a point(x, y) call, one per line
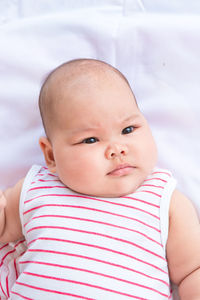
point(123, 169)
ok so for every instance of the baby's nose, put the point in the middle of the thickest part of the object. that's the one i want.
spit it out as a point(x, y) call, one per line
point(116, 150)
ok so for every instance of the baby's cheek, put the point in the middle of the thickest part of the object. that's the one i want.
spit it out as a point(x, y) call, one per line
point(80, 169)
point(85, 166)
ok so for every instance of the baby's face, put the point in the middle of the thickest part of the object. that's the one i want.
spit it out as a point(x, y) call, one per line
point(103, 145)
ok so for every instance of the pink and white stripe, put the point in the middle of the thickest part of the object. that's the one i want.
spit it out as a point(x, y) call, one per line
point(92, 248)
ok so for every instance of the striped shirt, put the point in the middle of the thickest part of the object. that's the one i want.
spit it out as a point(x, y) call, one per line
point(83, 247)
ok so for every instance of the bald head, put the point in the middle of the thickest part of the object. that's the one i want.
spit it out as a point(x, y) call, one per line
point(66, 77)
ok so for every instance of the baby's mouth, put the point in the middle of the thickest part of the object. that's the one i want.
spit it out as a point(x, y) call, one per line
point(121, 170)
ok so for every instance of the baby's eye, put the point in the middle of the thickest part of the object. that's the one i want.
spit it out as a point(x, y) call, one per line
point(90, 140)
point(128, 130)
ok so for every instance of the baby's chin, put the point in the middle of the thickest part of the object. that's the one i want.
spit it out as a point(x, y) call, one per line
point(114, 188)
point(113, 193)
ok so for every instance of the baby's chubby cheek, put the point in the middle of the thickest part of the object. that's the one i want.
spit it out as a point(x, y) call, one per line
point(78, 171)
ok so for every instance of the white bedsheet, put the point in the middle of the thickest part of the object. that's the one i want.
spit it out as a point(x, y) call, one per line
point(157, 51)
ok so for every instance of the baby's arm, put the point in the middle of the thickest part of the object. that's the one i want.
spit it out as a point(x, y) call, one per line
point(183, 247)
point(10, 225)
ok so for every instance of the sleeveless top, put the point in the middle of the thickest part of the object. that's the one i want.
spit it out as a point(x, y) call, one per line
point(83, 247)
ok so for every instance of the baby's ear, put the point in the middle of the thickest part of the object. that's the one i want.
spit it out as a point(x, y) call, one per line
point(47, 150)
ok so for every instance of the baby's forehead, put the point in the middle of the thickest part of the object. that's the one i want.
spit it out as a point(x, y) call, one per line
point(86, 72)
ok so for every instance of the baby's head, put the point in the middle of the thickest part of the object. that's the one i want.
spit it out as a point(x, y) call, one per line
point(98, 141)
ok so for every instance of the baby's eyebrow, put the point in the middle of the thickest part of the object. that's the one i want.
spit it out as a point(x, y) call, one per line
point(131, 118)
point(82, 130)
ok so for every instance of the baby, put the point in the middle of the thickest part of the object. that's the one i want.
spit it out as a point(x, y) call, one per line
point(100, 221)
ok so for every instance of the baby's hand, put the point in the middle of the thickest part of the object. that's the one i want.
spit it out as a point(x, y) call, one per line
point(2, 200)
point(10, 224)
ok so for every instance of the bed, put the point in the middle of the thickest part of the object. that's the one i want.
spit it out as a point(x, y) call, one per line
point(155, 46)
